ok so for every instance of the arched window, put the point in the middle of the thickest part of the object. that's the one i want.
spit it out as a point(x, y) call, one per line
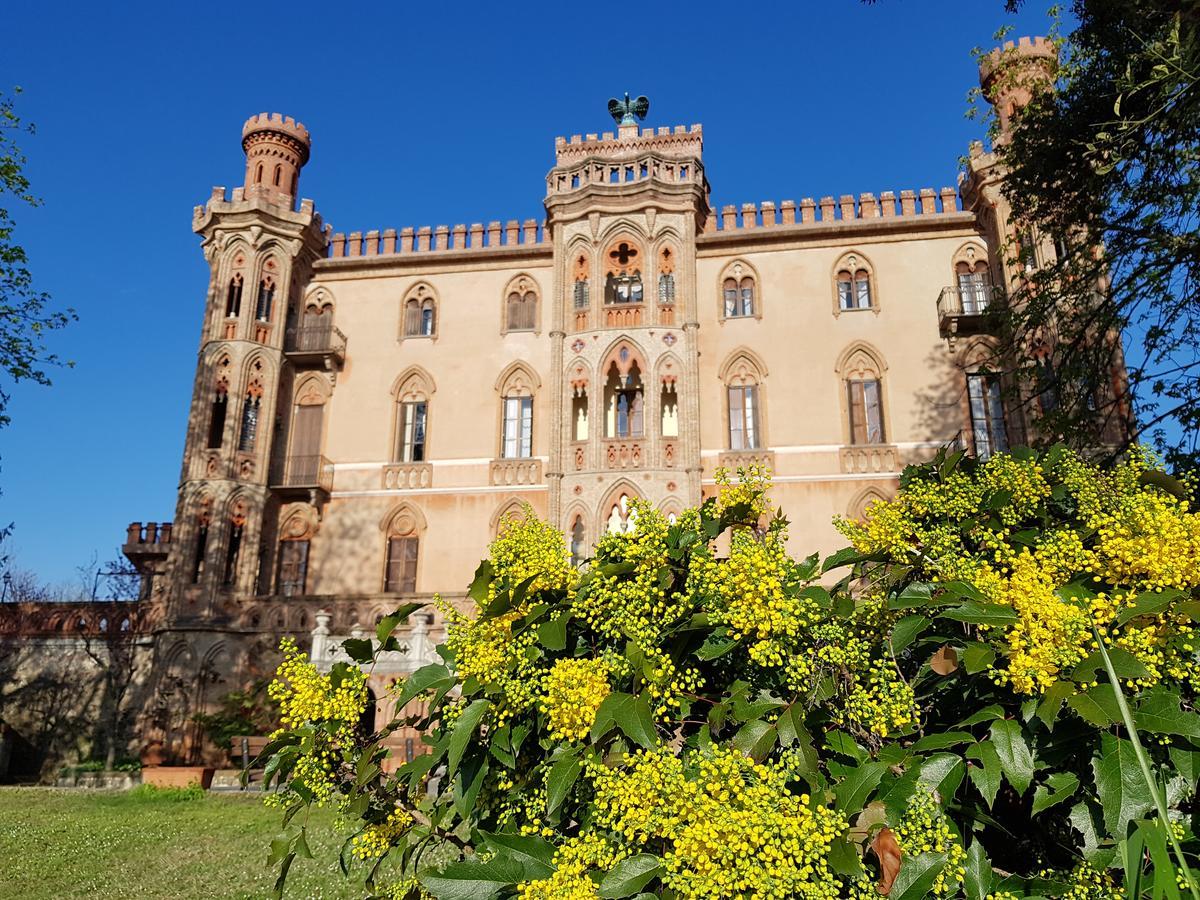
point(402, 553)
point(669, 409)
point(258, 174)
point(738, 292)
point(578, 542)
point(292, 579)
point(233, 551)
point(580, 292)
point(624, 397)
point(521, 304)
point(420, 312)
point(853, 278)
point(278, 174)
point(579, 413)
point(516, 386)
point(743, 377)
point(986, 401)
point(412, 418)
point(972, 279)
point(216, 418)
point(250, 410)
point(201, 547)
point(266, 297)
point(861, 373)
point(233, 299)
point(623, 274)
point(622, 517)
point(666, 276)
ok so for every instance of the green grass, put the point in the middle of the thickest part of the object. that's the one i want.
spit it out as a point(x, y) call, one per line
point(109, 844)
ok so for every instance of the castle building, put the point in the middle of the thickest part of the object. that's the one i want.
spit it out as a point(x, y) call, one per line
point(369, 406)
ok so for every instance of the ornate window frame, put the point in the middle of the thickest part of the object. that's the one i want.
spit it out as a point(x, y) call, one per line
point(522, 286)
point(517, 380)
point(744, 367)
point(423, 295)
point(404, 519)
point(853, 262)
point(859, 360)
point(739, 270)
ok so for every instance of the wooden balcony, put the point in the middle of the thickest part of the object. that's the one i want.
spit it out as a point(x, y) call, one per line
point(515, 471)
point(302, 475)
point(968, 310)
point(321, 345)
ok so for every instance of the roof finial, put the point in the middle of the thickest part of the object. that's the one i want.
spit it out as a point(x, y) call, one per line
point(626, 112)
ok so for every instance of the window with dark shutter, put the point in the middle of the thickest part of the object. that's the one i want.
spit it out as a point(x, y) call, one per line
point(293, 568)
point(401, 576)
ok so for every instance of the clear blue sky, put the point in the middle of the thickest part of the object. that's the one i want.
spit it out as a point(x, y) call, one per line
point(424, 113)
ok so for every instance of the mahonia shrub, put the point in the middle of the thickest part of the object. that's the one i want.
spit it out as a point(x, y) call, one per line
point(696, 713)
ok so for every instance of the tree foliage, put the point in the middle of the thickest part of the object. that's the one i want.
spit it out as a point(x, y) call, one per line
point(934, 711)
point(1107, 168)
point(26, 317)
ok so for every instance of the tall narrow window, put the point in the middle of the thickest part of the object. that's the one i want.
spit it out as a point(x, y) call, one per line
point(581, 294)
point(427, 318)
point(866, 411)
point(233, 299)
point(743, 417)
point(669, 409)
point(266, 296)
point(579, 414)
point(521, 311)
point(518, 428)
point(578, 548)
point(666, 288)
point(278, 174)
point(738, 297)
point(216, 419)
point(201, 551)
point(623, 275)
point(401, 575)
point(410, 439)
point(1027, 250)
point(231, 554)
point(293, 568)
point(1046, 385)
point(249, 430)
point(987, 415)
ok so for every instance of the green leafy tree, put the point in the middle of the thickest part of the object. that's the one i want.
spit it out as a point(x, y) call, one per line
point(1106, 168)
point(980, 698)
point(26, 317)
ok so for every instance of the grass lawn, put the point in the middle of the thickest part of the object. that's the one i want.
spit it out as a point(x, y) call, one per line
point(109, 844)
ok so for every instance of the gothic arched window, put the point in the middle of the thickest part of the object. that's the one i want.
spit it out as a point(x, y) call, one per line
point(739, 294)
point(624, 398)
point(861, 372)
point(233, 299)
point(420, 312)
point(853, 278)
point(266, 297)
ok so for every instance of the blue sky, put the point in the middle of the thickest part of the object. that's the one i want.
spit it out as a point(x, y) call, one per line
point(421, 114)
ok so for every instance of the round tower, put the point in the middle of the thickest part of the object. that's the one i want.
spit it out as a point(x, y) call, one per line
point(1013, 74)
point(276, 148)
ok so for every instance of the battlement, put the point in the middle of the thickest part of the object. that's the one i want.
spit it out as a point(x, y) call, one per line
point(629, 140)
point(1039, 50)
point(278, 123)
point(440, 238)
point(845, 209)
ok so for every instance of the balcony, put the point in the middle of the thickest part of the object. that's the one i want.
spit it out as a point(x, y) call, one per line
point(407, 475)
point(147, 545)
point(302, 476)
point(624, 454)
point(968, 309)
point(321, 345)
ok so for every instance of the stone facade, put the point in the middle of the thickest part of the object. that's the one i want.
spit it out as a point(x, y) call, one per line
point(369, 406)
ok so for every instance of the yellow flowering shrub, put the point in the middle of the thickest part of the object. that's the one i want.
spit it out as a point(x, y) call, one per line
point(926, 713)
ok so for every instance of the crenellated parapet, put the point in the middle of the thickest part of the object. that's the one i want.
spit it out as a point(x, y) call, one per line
point(679, 142)
point(844, 210)
point(509, 235)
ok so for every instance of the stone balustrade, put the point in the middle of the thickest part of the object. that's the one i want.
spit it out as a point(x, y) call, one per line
point(407, 475)
point(865, 458)
point(515, 471)
point(623, 454)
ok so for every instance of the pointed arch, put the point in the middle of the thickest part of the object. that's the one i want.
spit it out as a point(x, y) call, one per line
point(623, 377)
point(668, 370)
point(624, 264)
point(613, 355)
point(298, 522)
point(739, 291)
point(745, 402)
point(412, 392)
point(578, 533)
point(319, 301)
point(579, 256)
point(512, 508)
point(518, 378)
point(312, 389)
point(861, 503)
point(614, 509)
point(419, 311)
point(972, 277)
point(403, 529)
point(854, 284)
point(742, 364)
point(521, 304)
point(861, 369)
point(413, 382)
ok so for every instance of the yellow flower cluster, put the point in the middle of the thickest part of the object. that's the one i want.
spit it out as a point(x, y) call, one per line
point(589, 852)
point(486, 649)
point(923, 829)
point(572, 692)
point(306, 696)
point(1088, 883)
point(375, 840)
point(731, 826)
point(527, 547)
point(751, 490)
point(1117, 533)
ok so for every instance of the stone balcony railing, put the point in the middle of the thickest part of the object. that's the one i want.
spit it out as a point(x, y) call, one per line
point(407, 475)
point(624, 454)
point(864, 458)
point(624, 315)
point(515, 471)
point(740, 459)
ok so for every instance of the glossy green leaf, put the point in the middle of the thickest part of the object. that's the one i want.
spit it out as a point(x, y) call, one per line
point(1016, 760)
point(1159, 713)
point(987, 775)
point(977, 657)
point(553, 633)
point(562, 776)
point(1097, 706)
point(917, 875)
point(975, 613)
point(756, 739)
point(359, 649)
point(464, 730)
point(1059, 787)
point(629, 876)
point(855, 783)
point(1148, 603)
point(472, 879)
point(534, 853)
point(1125, 664)
point(1119, 785)
point(906, 631)
point(978, 871)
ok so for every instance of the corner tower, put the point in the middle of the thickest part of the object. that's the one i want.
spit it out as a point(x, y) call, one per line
point(624, 210)
point(260, 249)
